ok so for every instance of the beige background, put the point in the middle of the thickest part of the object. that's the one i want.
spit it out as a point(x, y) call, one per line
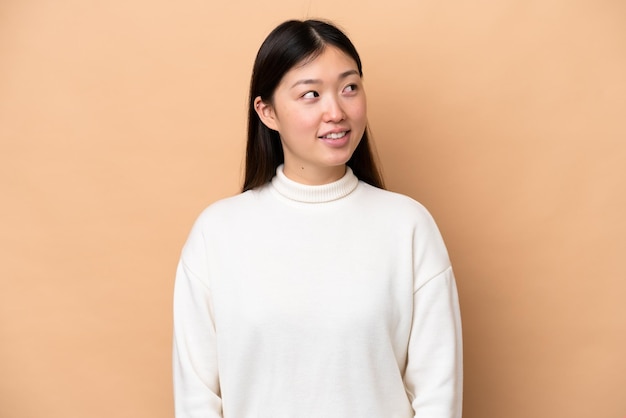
point(121, 120)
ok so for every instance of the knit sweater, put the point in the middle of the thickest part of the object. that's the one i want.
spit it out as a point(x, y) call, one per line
point(331, 301)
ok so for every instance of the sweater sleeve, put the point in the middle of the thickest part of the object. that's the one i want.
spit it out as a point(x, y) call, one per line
point(196, 381)
point(434, 373)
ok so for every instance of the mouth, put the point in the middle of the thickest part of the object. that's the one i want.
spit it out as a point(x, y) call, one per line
point(334, 135)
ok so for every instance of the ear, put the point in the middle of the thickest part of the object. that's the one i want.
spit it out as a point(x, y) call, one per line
point(266, 113)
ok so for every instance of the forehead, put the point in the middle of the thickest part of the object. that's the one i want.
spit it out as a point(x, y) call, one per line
point(332, 61)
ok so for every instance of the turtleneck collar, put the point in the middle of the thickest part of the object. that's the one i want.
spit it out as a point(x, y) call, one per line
point(314, 194)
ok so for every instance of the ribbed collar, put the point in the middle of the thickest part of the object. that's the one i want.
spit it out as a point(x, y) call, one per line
point(314, 194)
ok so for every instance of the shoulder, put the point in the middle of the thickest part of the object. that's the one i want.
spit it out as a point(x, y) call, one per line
point(222, 218)
point(225, 213)
point(232, 206)
point(401, 215)
point(392, 203)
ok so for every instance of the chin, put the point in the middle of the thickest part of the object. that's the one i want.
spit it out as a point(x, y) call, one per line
point(339, 160)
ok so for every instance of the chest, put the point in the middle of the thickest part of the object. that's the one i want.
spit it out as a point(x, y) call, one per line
point(329, 277)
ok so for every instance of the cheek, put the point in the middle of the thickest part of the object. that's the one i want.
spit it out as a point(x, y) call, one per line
point(297, 119)
point(359, 111)
point(303, 121)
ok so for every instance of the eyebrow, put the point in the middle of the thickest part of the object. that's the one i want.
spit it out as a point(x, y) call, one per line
point(317, 81)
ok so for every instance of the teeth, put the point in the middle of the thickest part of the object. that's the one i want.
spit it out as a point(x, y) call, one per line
point(335, 135)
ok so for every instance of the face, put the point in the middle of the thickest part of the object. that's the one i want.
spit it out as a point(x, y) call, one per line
point(319, 110)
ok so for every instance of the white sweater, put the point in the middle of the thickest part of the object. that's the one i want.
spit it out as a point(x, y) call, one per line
point(332, 301)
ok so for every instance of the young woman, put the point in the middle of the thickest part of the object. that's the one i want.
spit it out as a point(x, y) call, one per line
point(314, 293)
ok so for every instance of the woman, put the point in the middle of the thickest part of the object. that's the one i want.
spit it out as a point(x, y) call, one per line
point(314, 293)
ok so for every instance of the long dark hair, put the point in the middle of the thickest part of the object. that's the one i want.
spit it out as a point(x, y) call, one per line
point(287, 45)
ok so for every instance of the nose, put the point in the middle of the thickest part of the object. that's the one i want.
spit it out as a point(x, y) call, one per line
point(333, 112)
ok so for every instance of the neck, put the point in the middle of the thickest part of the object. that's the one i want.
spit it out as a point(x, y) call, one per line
point(321, 193)
point(314, 176)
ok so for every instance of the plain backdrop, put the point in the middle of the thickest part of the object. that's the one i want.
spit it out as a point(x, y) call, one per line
point(121, 120)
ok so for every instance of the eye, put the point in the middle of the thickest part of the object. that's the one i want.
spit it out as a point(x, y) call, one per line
point(350, 88)
point(310, 95)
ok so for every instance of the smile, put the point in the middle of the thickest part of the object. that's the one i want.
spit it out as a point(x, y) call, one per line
point(335, 135)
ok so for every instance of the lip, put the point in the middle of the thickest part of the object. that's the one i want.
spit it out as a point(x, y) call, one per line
point(336, 143)
point(334, 131)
